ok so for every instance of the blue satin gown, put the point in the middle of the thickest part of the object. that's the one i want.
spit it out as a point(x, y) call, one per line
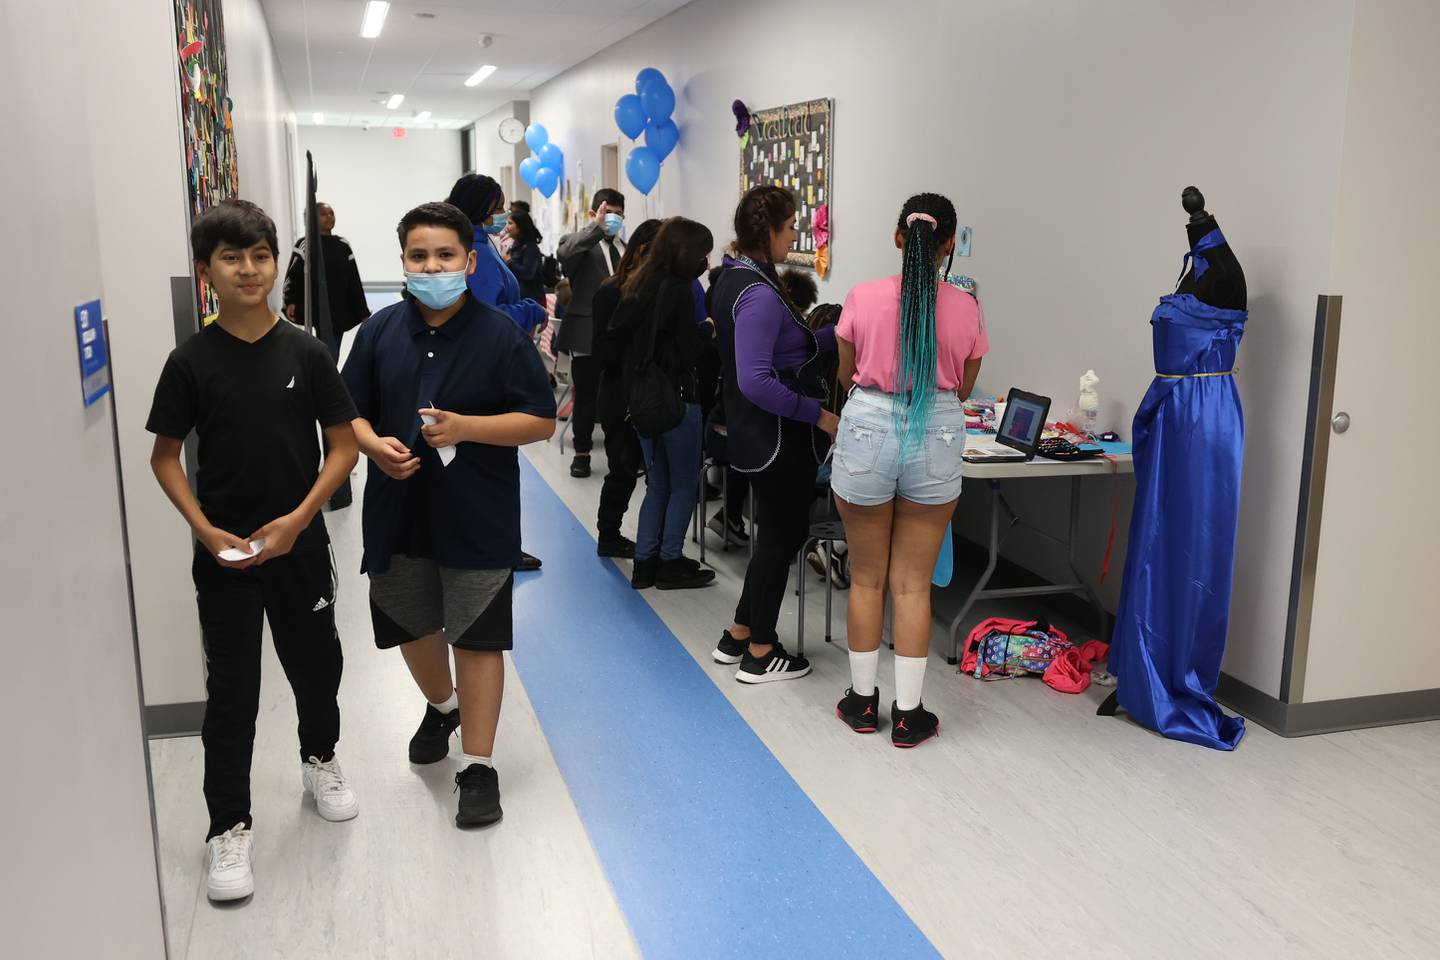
point(1174, 612)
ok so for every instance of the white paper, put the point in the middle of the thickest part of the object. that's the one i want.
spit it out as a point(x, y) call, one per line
point(235, 554)
point(447, 453)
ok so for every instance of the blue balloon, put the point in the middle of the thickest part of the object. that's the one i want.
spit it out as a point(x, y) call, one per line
point(546, 180)
point(528, 168)
point(643, 169)
point(646, 77)
point(536, 136)
point(659, 101)
point(662, 137)
point(630, 116)
point(551, 156)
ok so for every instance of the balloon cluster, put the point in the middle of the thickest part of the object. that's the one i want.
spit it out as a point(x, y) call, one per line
point(648, 111)
point(545, 167)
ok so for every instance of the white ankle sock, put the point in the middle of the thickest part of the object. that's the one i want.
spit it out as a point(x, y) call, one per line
point(467, 759)
point(863, 667)
point(449, 706)
point(909, 679)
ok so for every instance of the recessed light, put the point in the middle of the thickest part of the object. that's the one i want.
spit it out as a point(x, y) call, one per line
point(395, 101)
point(422, 116)
point(374, 21)
point(479, 76)
point(318, 117)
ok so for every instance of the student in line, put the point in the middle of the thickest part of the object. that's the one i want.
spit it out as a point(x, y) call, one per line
point(778, 428)
point(253, 389)
point(657, 319)
point(588, 256)
point(447, 388)
point(624, 458)
point(492, 282)
point(911, 344)
point(523, 256)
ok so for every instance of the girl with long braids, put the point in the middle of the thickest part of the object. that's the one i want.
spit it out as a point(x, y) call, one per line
point(778, 428)
point(911, 345)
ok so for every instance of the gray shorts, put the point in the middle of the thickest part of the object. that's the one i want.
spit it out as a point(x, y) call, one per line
point(416, 598)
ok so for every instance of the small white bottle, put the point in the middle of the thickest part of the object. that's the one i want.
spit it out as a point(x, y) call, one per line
point(1089, 403)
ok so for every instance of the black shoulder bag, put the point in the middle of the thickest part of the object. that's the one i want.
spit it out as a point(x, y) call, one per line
point(655, 403)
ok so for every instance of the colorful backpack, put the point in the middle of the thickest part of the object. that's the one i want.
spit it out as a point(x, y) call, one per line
point(1000, 648)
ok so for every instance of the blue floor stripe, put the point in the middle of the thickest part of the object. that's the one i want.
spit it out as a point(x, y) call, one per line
point(711, 847)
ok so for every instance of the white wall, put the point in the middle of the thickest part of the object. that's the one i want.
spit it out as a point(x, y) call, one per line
point(1376, 549)
point(140, 204)
point(79, 877)
point(372, 180)
point(1064, 132)
point(492, 153)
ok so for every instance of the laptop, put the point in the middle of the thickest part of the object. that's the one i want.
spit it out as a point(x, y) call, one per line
point(1019, 432)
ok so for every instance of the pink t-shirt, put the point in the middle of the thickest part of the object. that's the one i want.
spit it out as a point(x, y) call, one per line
point(871, 321)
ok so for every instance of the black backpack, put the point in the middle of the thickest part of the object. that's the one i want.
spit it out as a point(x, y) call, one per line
point(654, 400)
point(550, 272)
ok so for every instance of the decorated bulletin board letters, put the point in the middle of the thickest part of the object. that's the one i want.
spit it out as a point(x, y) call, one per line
point(790, 147)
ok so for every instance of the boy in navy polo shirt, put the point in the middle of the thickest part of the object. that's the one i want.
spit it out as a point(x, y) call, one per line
point(252, 388)
point(447, 388)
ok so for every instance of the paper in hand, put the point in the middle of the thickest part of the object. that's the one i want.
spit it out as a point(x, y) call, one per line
point(235, 554)
point(447, 453)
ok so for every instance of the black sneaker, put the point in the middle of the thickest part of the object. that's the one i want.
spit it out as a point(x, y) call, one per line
point(682, 574)
point(643, 574)
point(528, 562)
point(580, 466)
point(910, 728)
point(775, 665)
point(479, 788)
point(432, 741)
point(839, 565)
point(861, 714)
point(729, 650)
point(712, 492)
point(616, 546)
point(732, 533)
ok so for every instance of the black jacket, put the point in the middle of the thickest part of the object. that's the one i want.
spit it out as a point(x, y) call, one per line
point(525, 262)
point(667, 307)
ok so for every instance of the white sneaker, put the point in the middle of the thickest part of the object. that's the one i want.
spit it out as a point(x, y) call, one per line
point(228, 865)
point(334, 800)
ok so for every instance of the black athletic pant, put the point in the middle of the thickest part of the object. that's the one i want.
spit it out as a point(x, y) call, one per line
point(783, 494)
point(297, 594)
point(622, 455)
point(737, 487)
point(585, 375)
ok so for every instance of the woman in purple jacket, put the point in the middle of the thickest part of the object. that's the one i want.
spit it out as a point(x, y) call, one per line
point(778, 428)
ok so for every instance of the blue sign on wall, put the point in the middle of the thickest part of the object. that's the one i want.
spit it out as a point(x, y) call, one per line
point(94, 358)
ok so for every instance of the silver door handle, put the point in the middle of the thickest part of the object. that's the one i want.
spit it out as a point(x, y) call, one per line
point(1340, 422)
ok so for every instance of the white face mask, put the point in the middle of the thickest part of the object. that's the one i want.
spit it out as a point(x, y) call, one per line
point(436, 290)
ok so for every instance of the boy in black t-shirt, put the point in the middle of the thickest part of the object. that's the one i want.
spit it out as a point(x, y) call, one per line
point(447, 388)
point(253, 388)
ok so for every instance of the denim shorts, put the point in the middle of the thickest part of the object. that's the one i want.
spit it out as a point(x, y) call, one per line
point(868, 470)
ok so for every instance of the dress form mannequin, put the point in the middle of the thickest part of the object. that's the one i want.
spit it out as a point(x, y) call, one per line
point(1189, 440)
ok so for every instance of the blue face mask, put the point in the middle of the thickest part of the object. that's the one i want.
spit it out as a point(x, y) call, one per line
point(436, 290)
point(614, 223)
point(497, 224)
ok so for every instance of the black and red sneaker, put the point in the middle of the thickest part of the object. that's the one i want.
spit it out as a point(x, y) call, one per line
point(861, 714)
point(910, 728)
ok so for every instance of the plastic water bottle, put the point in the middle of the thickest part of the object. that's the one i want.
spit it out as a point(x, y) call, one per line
point(1089, 403)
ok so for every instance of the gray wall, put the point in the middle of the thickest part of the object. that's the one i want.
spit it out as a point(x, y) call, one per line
point(1064, 132)
point(79, 873)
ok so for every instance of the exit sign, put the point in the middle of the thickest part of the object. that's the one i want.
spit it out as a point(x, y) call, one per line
point(397, 133)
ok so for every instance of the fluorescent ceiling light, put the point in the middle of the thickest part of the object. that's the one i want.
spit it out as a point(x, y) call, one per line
point(422, 116)
point(479, 76)
point(374, 21)
point(394, 101)
point(319, 118)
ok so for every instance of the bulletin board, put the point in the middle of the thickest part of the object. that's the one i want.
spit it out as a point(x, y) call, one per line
point(789, 146)
point(207, 128)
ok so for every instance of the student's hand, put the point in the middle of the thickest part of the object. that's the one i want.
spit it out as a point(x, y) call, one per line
point(279, 536)
point(447, 431)
point(829, 423)
point(216, 540)
point(394, 459)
